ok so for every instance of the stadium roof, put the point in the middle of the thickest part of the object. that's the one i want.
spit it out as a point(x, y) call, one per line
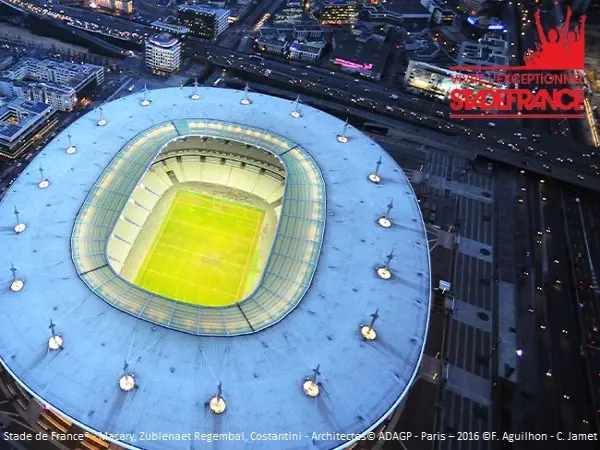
point(262, 373)
point(288, 272)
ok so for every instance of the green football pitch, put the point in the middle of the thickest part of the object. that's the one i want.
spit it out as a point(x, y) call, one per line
point(205, 251)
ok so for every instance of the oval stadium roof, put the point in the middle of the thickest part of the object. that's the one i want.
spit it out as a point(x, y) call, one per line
point(176, 373)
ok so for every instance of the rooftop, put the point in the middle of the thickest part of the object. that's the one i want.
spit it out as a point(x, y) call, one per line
point(206, 9)
point(165, 40)
point(338, 2)
point(18, 116)
point(308, 28)
point(308, 47)
point(170, 26)
point(396, 8)
point(30, 68)
point(404, 7)
point(371, 51)
point(261, 373)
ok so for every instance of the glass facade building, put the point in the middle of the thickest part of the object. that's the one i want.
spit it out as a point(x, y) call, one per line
point(203, 21)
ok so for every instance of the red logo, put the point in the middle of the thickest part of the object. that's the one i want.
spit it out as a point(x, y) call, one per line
point(560, 49)
point(549, 85)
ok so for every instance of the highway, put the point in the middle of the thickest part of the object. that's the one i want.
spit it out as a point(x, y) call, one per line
point(580, 220)
point(541, 154)
point(560, 373)
point(86, 20)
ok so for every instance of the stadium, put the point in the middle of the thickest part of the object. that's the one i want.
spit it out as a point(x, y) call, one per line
point(196, 262)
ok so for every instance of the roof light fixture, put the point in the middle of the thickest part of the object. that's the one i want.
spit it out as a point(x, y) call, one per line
point(17, 284)
point(374, 177)
point(56, 341)
point(44, 182)
point(384, 221)
point(342, 138)
point(127, 380)
point(310, 386)
point(71, 148)
point(246, 100)
point(384, 271)
point(195, 95)
point(102, 122)
point(296, 112)
point(217, 403)
point(145, 101)
point(367, 331)
point(20, 226)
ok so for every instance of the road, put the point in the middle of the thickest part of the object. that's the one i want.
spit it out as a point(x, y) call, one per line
point(580, 221)
point(537, 153)
point(555, 373)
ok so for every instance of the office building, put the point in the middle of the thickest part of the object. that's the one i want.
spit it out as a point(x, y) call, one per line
point(448, 39)
point(308, 32)
point(307, 41)
point(471, 5)
point(19, 118)
point(437, 82)
point(338, 12)
point(59, 84)
point(163, 53)
point(203, 21)
point(491, 50)
point(171, 28)
point(441, 13)
point(123, 6)
point(237, 11)
point(59, 72)
point(363, 55)
point(306, 51)
point(406, 13)
point(273, 40)
point(290, 14)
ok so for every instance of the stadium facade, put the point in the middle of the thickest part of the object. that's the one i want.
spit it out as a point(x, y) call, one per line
point(328, 342)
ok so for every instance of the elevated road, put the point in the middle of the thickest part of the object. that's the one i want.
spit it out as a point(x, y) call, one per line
point(88, 26)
